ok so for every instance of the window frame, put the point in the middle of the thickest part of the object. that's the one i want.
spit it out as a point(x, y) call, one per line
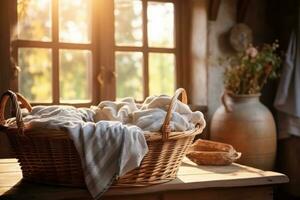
point(181, 58)
point(55, 45)
point(145, 48)
point(103, 48)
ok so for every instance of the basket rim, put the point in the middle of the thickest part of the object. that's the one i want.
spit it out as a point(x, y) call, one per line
point(154, 136)
point(63, 134)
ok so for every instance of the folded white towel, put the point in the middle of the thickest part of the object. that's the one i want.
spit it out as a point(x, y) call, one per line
point(107, 149)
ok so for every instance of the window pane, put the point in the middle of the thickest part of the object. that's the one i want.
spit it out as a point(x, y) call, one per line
point(74, 68)
point(128, 22)
point(161, 24)
point(129, 66)
point(34, 20)
point(36, 74)
point(161, 73)
point(74, 21)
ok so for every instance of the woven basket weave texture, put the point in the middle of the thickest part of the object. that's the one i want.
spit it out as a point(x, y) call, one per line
point(49, 156)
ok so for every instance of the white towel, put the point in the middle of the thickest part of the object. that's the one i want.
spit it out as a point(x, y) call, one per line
point(151, 114)
point(108, 149)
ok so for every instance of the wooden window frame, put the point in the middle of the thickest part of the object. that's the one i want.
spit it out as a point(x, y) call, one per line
point(55, 46)
point(145, 49)
point(103, 48)
point(180, 49)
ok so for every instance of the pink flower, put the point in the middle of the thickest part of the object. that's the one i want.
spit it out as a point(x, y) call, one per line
point(252, 52)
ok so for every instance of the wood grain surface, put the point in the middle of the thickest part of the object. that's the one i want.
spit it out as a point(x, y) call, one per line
point(209, 182)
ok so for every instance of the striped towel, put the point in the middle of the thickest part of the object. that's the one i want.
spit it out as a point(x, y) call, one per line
point(108, 149)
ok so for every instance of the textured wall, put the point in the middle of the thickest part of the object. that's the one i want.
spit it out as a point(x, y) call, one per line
point(218, 46)
point(257, 19)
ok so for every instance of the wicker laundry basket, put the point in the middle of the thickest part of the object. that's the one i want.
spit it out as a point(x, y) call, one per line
point(49, 156)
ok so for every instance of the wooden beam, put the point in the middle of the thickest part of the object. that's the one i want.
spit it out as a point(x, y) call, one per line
point(214, 9)
point(4, 47)
point(5, 65)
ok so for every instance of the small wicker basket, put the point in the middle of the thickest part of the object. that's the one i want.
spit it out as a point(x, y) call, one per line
point(49, 156)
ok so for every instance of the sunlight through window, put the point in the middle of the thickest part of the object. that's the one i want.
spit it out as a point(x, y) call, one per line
point(34, 20)
point(60, 49)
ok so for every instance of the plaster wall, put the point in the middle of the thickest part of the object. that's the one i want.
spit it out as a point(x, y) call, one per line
point(218, 46)
point(257, 18)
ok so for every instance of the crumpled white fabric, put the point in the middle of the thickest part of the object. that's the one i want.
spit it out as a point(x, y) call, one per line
point(107, 149)
point(115, 111)
point(150, 115)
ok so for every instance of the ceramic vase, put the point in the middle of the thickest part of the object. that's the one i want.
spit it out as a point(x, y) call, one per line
point(244, 122)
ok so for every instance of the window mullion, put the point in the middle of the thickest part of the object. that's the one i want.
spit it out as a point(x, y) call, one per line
point(182, 44)
point(106, 51)
point(145, 50)
point(95, 48)
point(55, 52)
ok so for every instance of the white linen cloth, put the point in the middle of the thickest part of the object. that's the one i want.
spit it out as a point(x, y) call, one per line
point(287, 100)
point(150, 115)
point(107, 149)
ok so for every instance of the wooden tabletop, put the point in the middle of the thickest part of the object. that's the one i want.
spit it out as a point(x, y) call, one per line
point(190, 176)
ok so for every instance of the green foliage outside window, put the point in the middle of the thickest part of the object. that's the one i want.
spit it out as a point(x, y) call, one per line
point(36, 81)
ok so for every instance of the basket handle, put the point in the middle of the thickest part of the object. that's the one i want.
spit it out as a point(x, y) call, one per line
point(165, 129)
point(16, 108)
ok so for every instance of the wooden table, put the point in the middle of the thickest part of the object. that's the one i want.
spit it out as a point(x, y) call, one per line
point(193, 182)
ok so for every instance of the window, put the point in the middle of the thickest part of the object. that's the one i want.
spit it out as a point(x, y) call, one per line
point(83, 51)
point(54, 50)
point(144, 48)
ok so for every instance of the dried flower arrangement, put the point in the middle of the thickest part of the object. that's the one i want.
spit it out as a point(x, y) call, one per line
point(249, 70)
